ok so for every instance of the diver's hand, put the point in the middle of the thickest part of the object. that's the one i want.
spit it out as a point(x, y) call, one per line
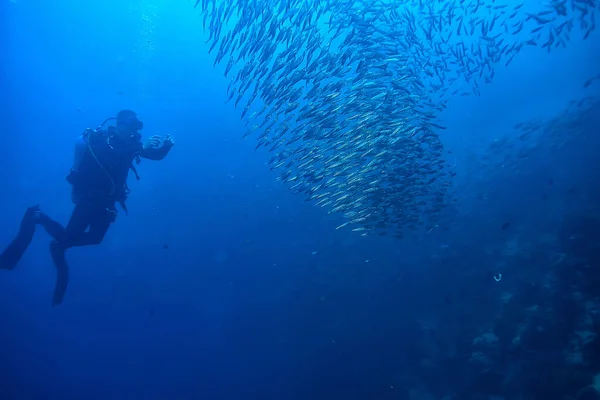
point(153, 142)
point(169, 142)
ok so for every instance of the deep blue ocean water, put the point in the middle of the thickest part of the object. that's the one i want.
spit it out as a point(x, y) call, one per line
point(222, 284)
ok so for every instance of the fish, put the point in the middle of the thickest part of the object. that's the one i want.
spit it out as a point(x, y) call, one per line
point(507, 153)
point(589, 81)
point(348, 95)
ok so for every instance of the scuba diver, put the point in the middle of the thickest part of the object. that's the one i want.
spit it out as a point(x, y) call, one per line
point(103, 158)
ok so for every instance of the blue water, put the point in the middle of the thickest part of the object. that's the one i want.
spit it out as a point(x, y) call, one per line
point(221, 284)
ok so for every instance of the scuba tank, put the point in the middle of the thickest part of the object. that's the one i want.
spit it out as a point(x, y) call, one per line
point(87, 135)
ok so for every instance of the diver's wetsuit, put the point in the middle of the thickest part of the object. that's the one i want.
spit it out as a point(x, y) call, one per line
point(99, 182)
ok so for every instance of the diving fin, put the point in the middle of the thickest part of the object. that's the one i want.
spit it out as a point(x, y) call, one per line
point(11, 256)
point(57, 251)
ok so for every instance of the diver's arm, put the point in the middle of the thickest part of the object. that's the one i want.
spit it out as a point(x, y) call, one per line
point(152, 149)
point(155, 153)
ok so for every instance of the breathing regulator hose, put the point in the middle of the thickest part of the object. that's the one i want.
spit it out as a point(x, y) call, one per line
point(85, 135)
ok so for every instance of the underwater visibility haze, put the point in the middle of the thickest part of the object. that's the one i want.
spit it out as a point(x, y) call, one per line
point(325, 199)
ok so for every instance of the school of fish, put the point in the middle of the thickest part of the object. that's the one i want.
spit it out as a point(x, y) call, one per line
point(346, 94)
point(542, 138)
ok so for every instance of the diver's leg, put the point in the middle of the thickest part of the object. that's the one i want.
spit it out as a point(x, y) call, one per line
point(77, 225)
point(57, 251)
point(15, 250)
point(54, 229)
point(100, 224)
point(100, 219)
point(75, 229)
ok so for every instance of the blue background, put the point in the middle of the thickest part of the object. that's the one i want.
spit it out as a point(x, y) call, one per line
point(257, 296)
